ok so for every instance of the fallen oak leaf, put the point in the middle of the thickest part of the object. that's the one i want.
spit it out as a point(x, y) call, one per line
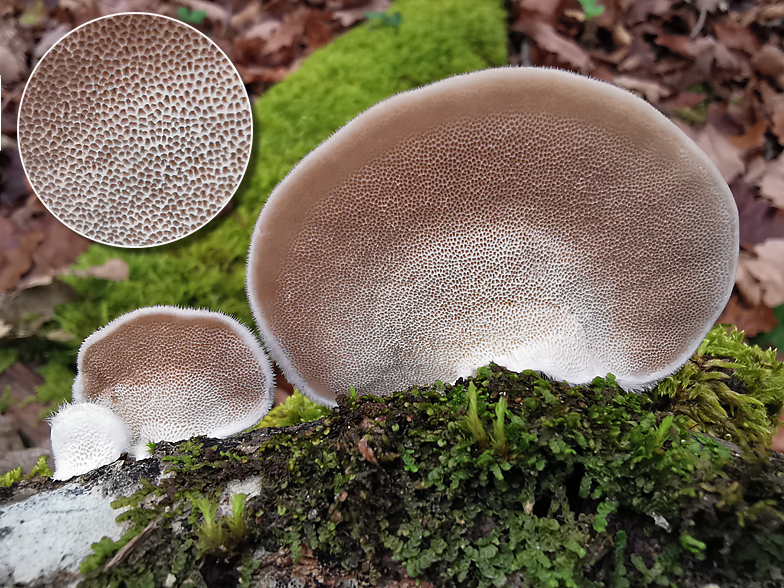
point(754, 137)
point(752, 320)
point(547, 38)
point(769, 61)
point(348, 16)
point(29, 309)
point(114, 270)
point(727, 158)
point(772, 182)
point(759, 221)
point(653, 91)
point(760, 278)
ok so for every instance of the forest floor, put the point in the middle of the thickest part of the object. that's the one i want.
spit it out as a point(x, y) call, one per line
point(715, 67)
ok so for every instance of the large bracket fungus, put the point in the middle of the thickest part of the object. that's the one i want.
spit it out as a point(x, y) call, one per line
point(135, 129)
point(530, 217)
point(170, 374)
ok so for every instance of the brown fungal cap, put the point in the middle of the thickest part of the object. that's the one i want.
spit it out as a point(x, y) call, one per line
point(531, 217)
point(135, 130)
point(173, 373)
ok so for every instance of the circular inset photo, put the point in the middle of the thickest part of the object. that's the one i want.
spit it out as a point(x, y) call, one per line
point(135, 130)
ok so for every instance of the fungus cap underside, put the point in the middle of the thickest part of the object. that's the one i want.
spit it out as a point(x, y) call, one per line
point(135, 129)
point(85, 436)
point(531, 217)
point(173, 373)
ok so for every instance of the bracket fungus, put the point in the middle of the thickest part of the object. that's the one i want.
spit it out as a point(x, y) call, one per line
point(135, 129)
point(172, 373)
point(530, 217)
point(86, 436)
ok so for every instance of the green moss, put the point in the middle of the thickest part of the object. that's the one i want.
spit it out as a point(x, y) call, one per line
point(41, 468)
point(728, 389)
point(216, 534)
point(297, 409)
point(436, 39)
point(591, 487)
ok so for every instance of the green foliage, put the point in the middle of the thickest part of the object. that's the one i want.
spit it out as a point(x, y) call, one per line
point(393, 20)
point(298, 408)
point(499, 435)
point(8, 357)
point(591, 9)
point(728, 389)
point(472, 420)
point(41, 468)
point(195, 17)
point(219, 534)
point(5, 399)
point(579, 466)
point(593, 487)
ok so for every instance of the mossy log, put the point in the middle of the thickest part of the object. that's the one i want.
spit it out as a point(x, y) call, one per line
point(501, 480)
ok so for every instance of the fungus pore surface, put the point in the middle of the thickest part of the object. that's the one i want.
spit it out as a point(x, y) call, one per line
point(135, 130)
point(174, 373)
point(530, 217)
point(85, 436)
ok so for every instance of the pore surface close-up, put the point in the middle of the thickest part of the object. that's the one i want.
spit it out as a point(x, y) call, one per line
point(530, 217)
point(135, 130)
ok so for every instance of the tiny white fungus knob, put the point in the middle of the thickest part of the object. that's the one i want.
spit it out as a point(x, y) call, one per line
point(173, 373)
point(86, 436)
point(531, 217)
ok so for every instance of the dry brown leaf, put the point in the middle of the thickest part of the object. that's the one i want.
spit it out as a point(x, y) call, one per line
point(565, 50)
point(50, 38)
point(734, 37)
point(290, 31)
point(679, 44)
point(772, 183)
point(215, 12)
point(59, 248)
point(760, 277)
point(718, 147)
point(642, 10)
point(318, 32)
point(16, 255)
point(545, 9)
point(751, 320)
point(652, 91)
point(773, 105)
point(115, 270)
point(13, 65)
point(27, 310)
point(251, 13)
point(683, 100)
point(759, 221)
point(769, 61)
point(755, 137)
point(349, 16)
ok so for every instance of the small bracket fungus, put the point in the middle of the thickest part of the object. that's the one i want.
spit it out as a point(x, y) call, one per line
point(86, 436)
point(531, 217)
point(135, 129)
point(173, 373)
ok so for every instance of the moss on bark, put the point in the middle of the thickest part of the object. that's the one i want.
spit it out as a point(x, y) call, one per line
point(501, 480)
